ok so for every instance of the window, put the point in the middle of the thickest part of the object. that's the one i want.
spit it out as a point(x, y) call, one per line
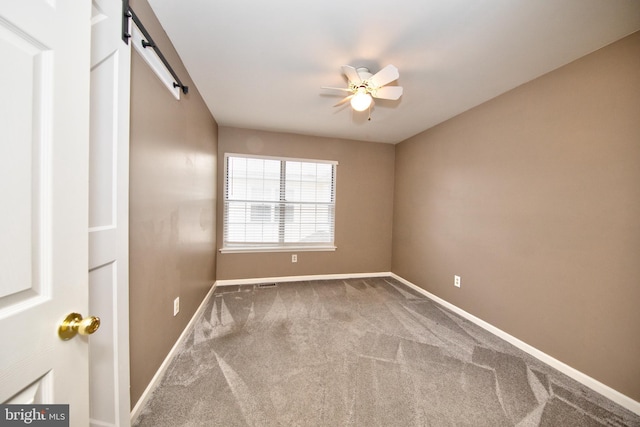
point(278, 204)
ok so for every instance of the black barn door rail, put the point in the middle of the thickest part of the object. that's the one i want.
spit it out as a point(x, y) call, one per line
point(129, 13)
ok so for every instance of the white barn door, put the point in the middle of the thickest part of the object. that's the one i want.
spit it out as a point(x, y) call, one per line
point(44, 151)
point(109, 216)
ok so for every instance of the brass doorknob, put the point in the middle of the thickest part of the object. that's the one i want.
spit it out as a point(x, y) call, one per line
point(74, 324)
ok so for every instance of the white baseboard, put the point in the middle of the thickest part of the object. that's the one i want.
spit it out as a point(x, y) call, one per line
point(255, 281)
point(135, 412)
point(582, 378)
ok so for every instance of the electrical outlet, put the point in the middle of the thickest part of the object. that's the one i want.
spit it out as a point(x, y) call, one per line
point(456, 281)
point(176, 306)
point(294, 258)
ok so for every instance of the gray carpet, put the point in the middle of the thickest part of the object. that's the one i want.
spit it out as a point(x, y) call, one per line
point(358, 352)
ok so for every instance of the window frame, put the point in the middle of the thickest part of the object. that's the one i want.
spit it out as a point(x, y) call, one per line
point(281, 246)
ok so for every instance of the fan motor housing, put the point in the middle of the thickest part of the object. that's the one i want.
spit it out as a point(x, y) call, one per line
point(364, 73)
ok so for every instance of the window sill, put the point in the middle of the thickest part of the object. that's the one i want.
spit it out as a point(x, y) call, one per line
point(278, 249)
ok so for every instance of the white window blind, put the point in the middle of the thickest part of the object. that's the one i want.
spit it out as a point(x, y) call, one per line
point(278, 203)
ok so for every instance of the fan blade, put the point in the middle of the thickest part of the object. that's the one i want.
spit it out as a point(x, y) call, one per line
point(351, 74)
point(387, 92)
point(344, 101)
point(341, 89)
point(384, 76)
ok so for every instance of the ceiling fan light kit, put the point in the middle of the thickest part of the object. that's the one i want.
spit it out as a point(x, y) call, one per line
point(361, 100)
point(365, 86)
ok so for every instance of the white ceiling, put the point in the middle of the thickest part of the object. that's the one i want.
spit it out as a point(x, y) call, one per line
point(260, 64)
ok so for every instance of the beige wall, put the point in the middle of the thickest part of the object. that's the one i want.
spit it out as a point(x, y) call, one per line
point(172, 208)
point(364, 196)
point(533, 199)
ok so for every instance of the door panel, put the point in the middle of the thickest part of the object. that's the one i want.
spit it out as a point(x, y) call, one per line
point(103, 152)
point(103, 385)
point(108, 216)
point(21, 154)
point(44, 130)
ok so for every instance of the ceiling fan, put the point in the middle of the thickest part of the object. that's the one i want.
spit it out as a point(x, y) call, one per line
point(365, 86)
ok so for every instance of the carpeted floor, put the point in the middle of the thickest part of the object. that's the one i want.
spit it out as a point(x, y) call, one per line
point(358, 352)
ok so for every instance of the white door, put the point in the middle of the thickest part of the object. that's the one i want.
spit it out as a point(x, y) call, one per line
point(44, 149)
point(108, 216)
